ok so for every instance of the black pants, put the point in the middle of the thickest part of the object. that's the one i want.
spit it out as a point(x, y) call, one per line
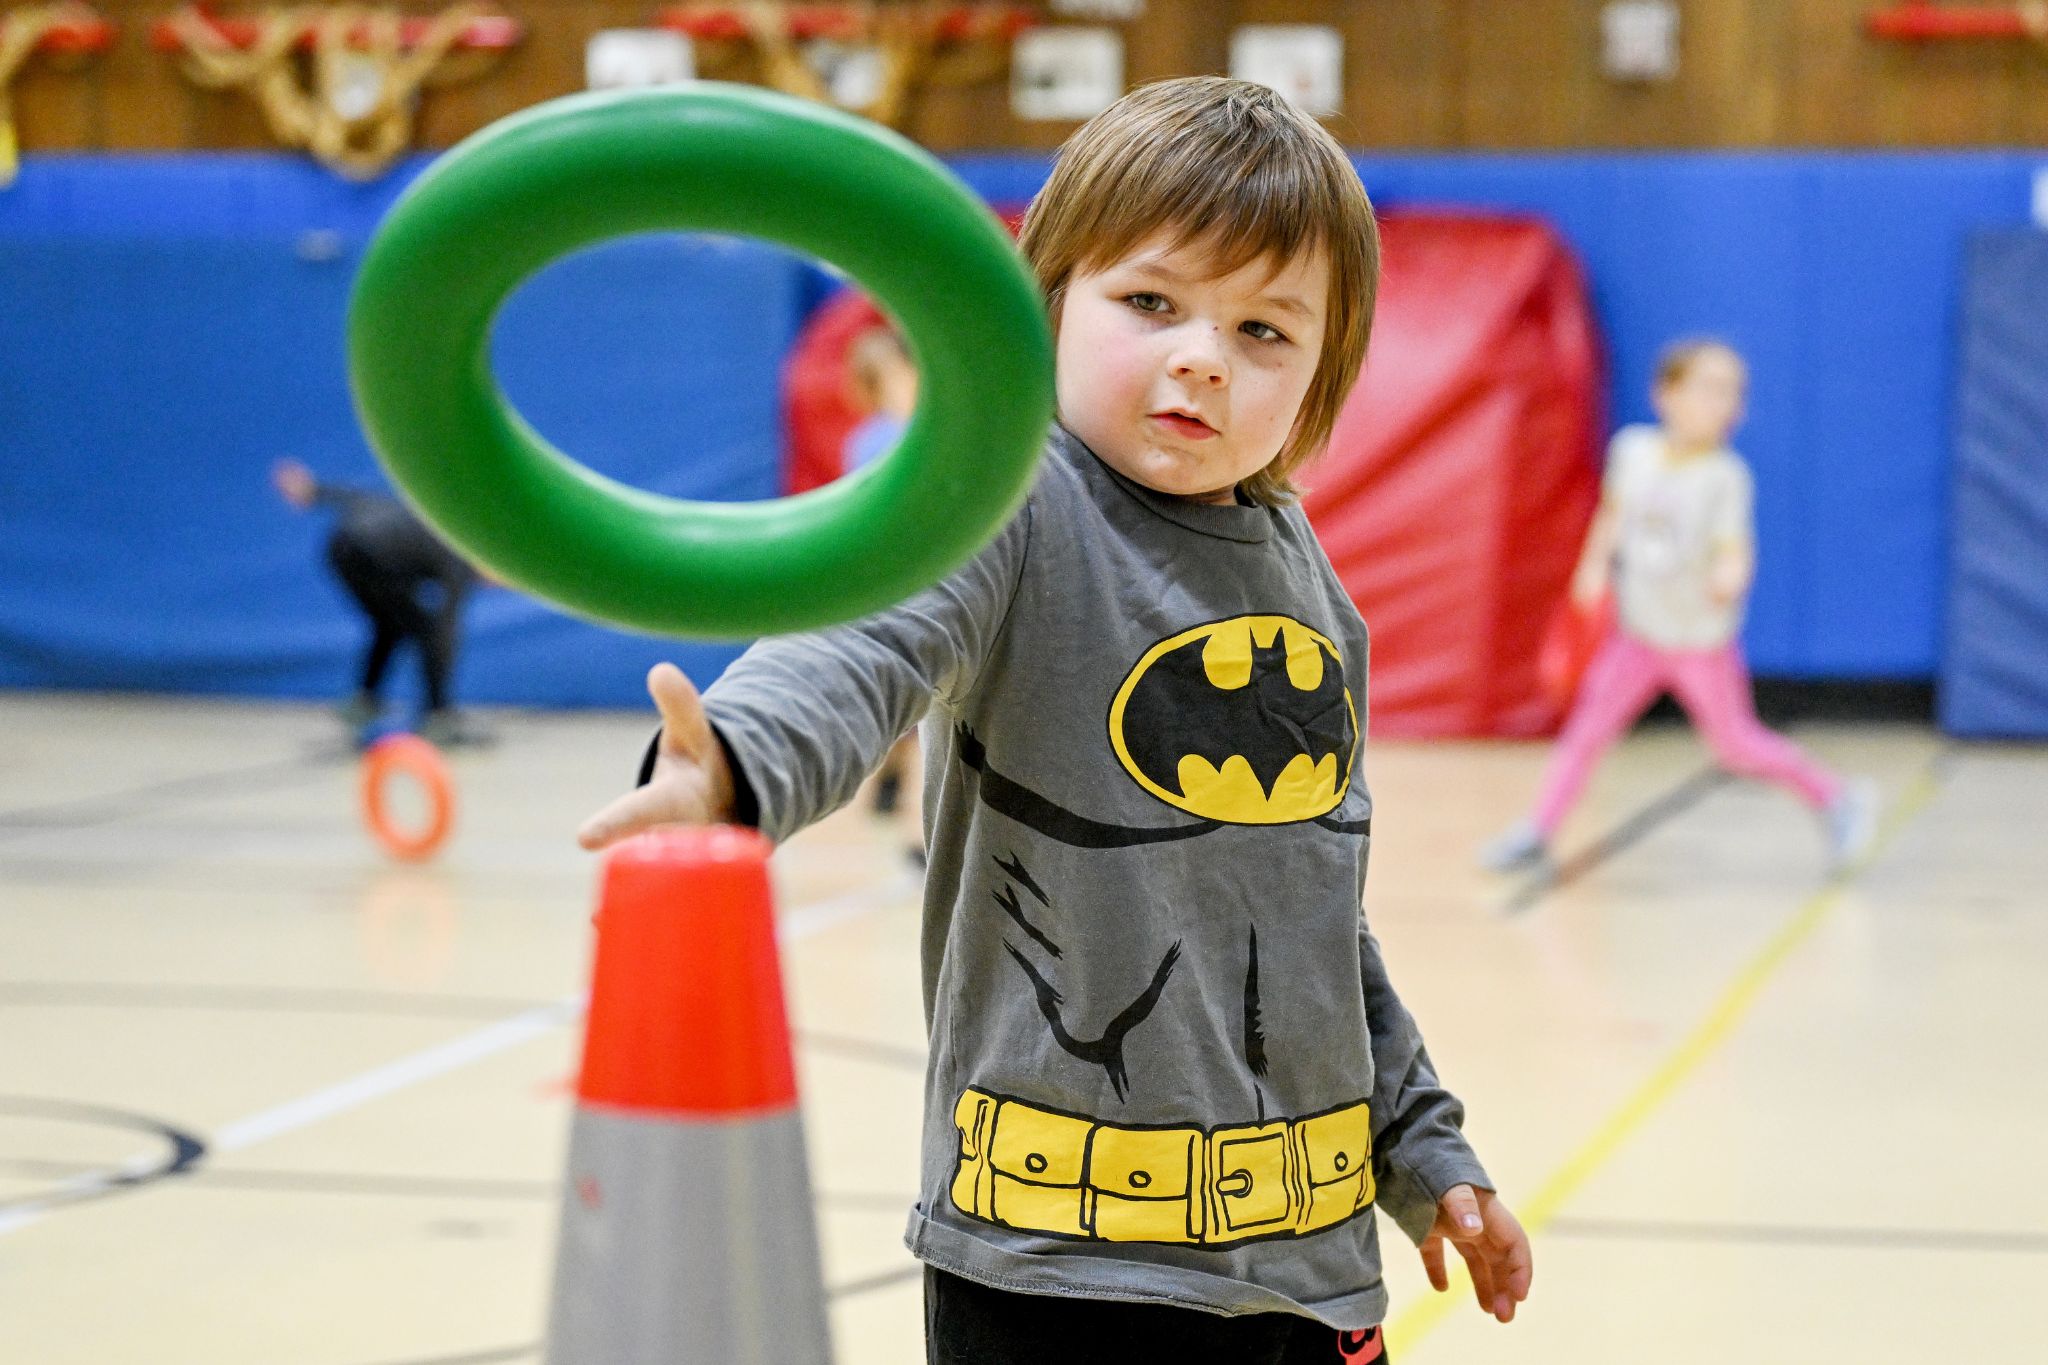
point(401, 607)
point(970, 1324)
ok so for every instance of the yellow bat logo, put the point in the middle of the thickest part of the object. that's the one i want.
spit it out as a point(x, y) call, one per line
point(1245, 721)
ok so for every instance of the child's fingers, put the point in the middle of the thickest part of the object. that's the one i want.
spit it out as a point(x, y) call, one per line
point(1481, 1270)
point(1511, 1251)
point(1499, 1281)
point(1461, 1205)
point(1518, 1268)
point(684, 729)
point(640, 809)
point(1433, 1262)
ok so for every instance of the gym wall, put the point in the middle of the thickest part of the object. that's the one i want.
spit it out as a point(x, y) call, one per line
point(174, 323)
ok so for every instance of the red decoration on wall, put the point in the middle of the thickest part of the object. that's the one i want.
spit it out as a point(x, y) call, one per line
point(489, 32)
point(1923, 21)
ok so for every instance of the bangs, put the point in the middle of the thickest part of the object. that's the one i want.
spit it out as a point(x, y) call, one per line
point(1269, 202)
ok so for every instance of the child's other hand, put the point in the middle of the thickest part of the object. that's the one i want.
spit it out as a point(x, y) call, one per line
point(691, 783)
point(1588, 587)
point(1727, 580)
point(1491, 1240)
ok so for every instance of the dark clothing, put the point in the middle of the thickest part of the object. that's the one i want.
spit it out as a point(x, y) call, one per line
point(387, 530)
point(406, 579)
point(972, 1324)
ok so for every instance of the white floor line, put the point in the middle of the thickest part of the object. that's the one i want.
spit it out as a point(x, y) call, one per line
point(798, 924)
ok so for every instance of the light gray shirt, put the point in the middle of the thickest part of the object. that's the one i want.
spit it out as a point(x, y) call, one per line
point(1166, 1061)
point(1674, 516)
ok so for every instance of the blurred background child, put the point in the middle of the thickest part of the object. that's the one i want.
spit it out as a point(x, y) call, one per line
point(884, 383)
point(409, 584)
point(1675, 540)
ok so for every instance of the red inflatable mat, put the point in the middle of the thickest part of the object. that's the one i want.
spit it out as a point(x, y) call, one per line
point(1464, 471)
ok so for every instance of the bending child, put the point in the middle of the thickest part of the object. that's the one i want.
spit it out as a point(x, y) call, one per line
point(1675, 531)
point(410, 586)
point(1170, 1078)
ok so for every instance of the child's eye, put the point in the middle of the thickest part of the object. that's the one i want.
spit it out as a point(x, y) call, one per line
point(1147, 303)
point(1263, 331)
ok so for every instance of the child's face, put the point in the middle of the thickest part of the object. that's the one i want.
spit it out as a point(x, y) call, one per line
point(1703, 406)
point(1185, 382)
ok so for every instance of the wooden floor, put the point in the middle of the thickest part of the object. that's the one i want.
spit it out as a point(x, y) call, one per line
point(1750, 1116)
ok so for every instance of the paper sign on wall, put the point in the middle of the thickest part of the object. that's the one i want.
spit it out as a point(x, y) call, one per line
point(1066, 73)
point(1304, 62)
point(620, 58)
point(1639, 40)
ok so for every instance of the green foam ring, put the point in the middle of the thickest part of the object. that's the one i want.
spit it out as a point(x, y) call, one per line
point(714, 158)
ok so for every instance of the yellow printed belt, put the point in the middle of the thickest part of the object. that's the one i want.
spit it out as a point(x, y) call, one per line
point(1038, 1170)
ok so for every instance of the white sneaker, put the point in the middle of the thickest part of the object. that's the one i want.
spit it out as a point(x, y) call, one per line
point(1852, 825)
point(1521, 846)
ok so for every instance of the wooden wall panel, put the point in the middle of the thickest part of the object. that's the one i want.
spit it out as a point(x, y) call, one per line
point(1420, 73)
point(1401, 67)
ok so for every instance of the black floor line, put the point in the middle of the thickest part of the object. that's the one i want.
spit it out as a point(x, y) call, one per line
point(867, 1049)
point(868, 1284)
point(494, 1357)
point(110, 807)
point(183, 1152)
point(1765, 1234)
point(1625, 835)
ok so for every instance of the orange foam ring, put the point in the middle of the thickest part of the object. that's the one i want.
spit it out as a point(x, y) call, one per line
point(686, 1006)
point(413, 757)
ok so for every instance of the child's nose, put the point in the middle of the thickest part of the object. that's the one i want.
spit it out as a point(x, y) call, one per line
point(1201, 360)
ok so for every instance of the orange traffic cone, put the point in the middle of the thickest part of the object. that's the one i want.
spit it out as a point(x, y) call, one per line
point(687, 1232)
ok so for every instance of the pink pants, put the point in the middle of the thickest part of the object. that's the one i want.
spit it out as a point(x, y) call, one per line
point(1713, 687)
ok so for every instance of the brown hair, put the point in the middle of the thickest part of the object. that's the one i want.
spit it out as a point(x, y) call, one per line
point(1236, 167)
point(1677, 358)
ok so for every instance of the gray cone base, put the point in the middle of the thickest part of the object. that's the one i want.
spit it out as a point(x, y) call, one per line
point(686, 1242)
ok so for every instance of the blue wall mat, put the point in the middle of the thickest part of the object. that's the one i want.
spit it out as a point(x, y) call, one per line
point(1994, 671)
point(136, 291)
point(147, 383)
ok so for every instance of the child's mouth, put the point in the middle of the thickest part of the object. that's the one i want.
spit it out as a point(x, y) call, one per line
point(1180, 424)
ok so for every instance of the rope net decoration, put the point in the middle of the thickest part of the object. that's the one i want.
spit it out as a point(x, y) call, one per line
point(1919, 21)
point(341, 82)
point(63, 27)
point(869, 58)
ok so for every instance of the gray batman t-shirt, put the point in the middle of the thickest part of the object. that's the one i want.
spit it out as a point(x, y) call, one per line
point(1166, 1061)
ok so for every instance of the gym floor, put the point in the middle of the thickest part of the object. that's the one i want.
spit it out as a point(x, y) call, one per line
point(267, 1097)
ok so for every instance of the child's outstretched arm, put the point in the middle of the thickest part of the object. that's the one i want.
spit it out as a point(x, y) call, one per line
point(786, 736)
point(1596, 560)
point(1733, 566)
point(1429, 1180)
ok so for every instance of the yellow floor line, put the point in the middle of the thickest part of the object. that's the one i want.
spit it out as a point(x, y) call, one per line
point(1414, 1323)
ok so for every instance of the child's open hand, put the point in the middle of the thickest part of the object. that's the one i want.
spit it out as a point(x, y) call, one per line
point(1491, 1240)
point(691, 783)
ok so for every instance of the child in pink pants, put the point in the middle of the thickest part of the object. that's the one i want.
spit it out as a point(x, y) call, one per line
point(1675, 527)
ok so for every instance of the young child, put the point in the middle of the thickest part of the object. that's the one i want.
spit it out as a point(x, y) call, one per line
point(883, 381)
point(1675, 517)
point(410, 586)
point(1169, 1077)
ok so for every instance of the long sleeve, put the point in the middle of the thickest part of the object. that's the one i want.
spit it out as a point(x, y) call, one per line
point(1419, 1148)
point(806, 717)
